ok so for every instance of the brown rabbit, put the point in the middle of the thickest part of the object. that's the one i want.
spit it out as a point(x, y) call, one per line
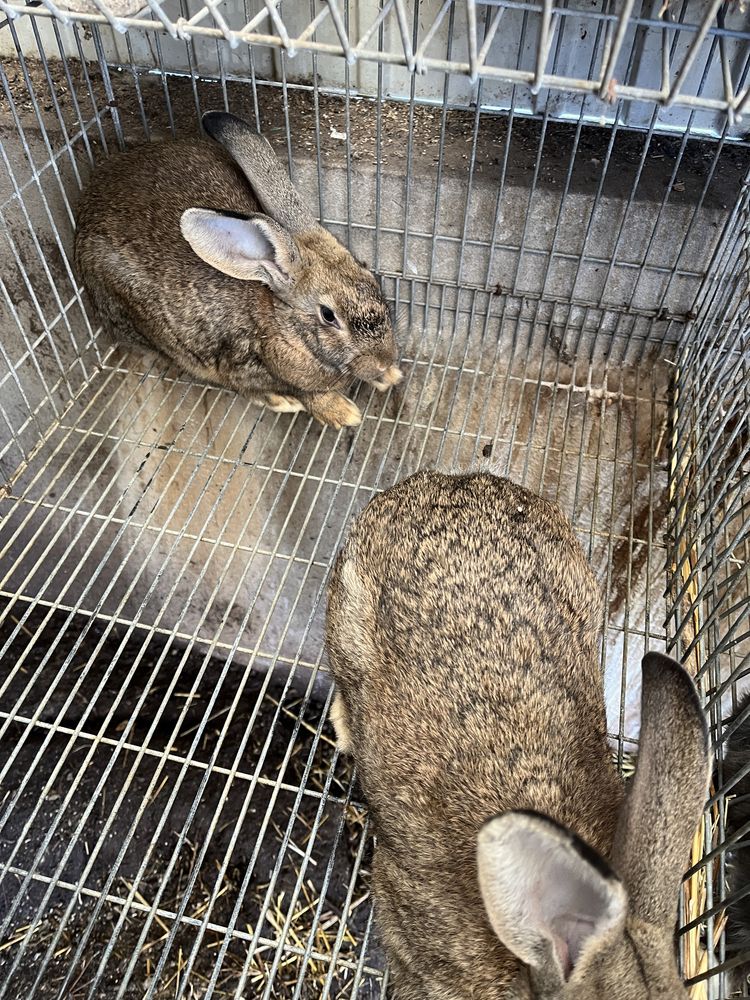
point(462, 633)
point(177, 257)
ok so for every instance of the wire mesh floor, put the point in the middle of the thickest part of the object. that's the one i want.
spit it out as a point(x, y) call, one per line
point(175, 819)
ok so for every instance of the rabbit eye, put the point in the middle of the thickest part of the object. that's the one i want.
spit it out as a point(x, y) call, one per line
point(328, 316)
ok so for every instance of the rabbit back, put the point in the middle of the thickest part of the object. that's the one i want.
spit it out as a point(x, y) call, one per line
point(475, 616)
point(176, 257)
point(462, 633)
point(143, 276)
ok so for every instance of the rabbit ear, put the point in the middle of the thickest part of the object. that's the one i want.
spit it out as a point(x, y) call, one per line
point(256, 159)
point(253, 248)
point(668, 791)
point(546, 893)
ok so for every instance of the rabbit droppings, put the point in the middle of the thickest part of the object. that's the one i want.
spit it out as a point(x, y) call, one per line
point(462, 634)
point(177, 257)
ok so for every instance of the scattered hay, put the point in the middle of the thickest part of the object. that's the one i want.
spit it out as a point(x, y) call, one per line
point(694, 889)
point(625, 763)
point(694, 893)
point(302, 939)
point(308, 924)
point(328, 943)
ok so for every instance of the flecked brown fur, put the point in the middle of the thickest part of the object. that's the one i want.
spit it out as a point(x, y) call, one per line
point(152, 289)
point(462, 634)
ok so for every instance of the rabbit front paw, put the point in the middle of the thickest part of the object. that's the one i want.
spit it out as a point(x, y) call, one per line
point(337, 715)
point(333, 409)
point(283, 404)
point(391, 376)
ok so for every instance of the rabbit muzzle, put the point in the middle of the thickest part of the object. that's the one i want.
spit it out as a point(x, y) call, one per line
point(377, 371)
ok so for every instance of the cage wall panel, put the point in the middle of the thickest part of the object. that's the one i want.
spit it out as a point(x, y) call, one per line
point(569, 277)
point(689, 57)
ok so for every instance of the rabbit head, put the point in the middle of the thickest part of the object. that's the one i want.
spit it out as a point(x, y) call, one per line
point(330, 312)
point(587, 928)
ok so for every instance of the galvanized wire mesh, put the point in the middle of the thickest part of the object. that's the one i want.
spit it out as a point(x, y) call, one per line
point(708, 528)
point(174, 818)
point(685, 55)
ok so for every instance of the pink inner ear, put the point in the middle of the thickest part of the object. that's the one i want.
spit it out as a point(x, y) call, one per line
point(563, 956)
point(570, 932)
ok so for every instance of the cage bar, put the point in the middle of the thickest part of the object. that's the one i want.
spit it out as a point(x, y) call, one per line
point(556, 199)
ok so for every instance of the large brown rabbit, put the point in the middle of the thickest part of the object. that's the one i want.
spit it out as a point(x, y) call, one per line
point(462, 633)
point(177, 257)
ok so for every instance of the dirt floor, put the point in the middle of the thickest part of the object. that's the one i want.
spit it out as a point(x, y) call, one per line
point(187, 850)
point(502, 147)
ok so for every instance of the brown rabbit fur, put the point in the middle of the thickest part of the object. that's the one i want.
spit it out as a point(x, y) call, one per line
point(462, 634)
point(173, 248)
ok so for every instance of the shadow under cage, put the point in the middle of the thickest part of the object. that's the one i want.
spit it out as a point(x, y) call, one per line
point(556, 200)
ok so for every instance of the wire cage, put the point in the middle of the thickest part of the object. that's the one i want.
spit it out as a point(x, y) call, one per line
point(556, 199)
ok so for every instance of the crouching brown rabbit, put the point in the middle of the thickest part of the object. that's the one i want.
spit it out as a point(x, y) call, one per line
point(204, 252)
point(462, 634)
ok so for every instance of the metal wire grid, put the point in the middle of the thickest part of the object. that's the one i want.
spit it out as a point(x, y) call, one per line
point(94, 521)
point(679, 46)
point(353, 471)
point(85, 123)
point(709, 543)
